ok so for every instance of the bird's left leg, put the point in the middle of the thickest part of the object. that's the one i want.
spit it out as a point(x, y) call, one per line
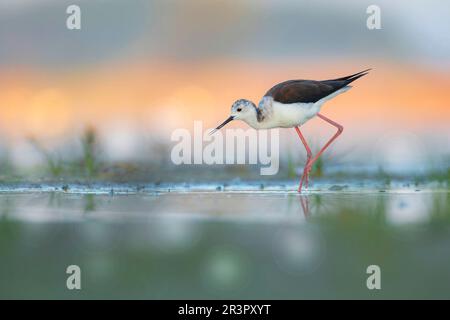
point(337, 134)
point(308, 159)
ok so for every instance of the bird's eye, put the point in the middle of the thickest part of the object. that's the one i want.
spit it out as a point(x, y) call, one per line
point(239, 109)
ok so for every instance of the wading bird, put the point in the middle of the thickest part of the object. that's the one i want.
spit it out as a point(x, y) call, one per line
point(291, 104)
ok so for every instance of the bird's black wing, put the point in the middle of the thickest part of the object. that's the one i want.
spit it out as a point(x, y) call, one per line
point(294, 91)
point(306, 91)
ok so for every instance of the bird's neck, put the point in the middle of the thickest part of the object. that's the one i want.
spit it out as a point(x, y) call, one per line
point(254, 121)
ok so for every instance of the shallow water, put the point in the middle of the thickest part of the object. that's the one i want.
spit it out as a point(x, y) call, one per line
point(236, 241)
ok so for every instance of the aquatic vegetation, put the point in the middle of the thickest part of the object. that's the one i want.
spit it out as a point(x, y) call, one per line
point(53, 162)
point(7, 169)
point(318, 167)
point(90, 162)
point(87, 166)
point(82, 159)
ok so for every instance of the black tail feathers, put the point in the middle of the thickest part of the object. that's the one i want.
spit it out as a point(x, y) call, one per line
point(353, 77)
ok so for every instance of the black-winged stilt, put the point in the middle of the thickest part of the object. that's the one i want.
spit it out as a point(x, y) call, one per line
point(291, 104)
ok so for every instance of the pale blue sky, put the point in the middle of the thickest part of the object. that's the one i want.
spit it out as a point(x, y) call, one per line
point(34, 33)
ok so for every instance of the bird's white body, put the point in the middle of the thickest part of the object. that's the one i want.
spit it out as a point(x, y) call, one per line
point(280, 115)
point(289, 115)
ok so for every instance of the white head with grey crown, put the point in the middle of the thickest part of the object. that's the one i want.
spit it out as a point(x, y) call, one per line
point(241, 109)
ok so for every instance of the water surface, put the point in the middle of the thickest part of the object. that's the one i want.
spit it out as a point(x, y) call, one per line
point(236, 241)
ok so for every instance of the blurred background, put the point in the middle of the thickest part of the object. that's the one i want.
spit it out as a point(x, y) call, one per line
point(86, 118)
point(103, 100)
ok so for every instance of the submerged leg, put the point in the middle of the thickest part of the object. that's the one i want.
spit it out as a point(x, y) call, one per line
point(308, 159)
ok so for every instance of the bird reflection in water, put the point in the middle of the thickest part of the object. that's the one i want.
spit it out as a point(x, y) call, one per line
point(304, 202)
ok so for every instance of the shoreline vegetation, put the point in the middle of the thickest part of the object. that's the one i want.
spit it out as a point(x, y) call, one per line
point(85, 162)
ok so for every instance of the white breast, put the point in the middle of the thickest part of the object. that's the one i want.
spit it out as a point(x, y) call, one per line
point(290, 115)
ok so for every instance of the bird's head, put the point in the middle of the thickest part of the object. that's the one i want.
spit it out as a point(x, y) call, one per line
point(241, 109)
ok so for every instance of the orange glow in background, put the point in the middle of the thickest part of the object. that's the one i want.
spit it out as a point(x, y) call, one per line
point(166, 95)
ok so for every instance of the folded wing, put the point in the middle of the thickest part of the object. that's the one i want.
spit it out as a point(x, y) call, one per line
point(306, 91)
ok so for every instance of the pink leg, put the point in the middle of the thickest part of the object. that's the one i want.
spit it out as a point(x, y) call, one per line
point(308, 159)
point(340, 129)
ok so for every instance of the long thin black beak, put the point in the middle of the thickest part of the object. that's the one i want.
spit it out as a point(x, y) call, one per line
point(223, 123)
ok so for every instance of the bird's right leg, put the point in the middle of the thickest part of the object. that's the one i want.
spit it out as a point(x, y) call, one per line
point(308, 159)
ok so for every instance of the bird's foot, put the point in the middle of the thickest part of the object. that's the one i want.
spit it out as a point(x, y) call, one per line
point(306, 172)
point(303, 183)
point(305, 177)
point(299, 190)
